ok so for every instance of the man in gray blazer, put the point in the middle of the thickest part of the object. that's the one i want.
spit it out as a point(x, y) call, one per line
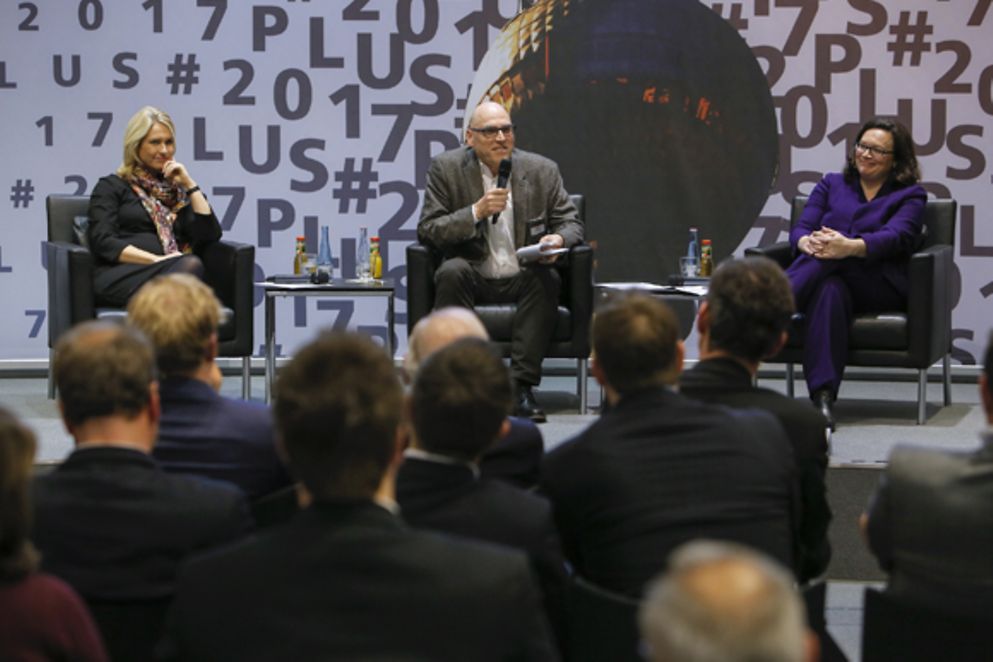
point(477, 225)
point(929, 522)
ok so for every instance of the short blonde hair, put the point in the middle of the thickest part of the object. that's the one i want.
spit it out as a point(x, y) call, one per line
point(138, 127)
point(179, 314)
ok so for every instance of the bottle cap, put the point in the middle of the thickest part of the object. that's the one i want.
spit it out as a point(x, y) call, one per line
point(375, 238)
point(706, 241)
point(301, 237)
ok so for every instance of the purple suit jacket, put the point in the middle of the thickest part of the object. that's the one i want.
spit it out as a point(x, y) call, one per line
point(890, 224)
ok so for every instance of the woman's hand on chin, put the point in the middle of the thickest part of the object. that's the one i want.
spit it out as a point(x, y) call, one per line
point(176, 172)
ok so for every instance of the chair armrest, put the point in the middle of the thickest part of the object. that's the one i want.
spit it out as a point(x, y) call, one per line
point(228, 267)
point(70, 287)
point(578, 295)
point(929, 301)
point(230, 271)
point(780, 252)
point(420, 283)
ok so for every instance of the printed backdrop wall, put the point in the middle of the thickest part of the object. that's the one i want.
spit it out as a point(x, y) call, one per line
point(293, 114)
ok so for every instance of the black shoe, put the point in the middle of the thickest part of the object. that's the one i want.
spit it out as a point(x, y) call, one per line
point(824, 401)
point(527, 407)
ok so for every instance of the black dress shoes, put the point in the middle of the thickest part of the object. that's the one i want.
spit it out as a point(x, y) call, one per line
point(527, 406)
point(824, 401)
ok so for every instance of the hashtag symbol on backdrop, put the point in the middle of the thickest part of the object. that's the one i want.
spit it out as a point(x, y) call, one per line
point(734, 17)
point(22, 193)
point(355, 185)
point(183, 73)
point(910, 38)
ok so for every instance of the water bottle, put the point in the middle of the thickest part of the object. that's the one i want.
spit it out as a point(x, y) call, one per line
point(324, 253)
point(693, 250)
point(362, 267)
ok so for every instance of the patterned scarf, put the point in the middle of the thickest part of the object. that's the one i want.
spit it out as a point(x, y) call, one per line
point(162, 200)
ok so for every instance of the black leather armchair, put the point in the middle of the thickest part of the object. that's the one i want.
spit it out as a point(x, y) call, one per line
point(915, 338)
point(571, 338)
point(230, 272)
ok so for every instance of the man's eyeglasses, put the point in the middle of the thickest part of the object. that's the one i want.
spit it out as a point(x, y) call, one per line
point(873, 152)
point(490, 132)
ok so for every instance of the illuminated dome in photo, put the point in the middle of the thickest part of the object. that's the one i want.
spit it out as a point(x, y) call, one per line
point(656, 110)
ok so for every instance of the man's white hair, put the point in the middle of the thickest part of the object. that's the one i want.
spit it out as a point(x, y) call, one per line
point(442, 327)
point(721, 602)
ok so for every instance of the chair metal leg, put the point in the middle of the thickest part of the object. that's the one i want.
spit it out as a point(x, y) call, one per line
point(246, 378)
point(51, 374)
point(582, 380)
point(789, 380)
point(946, 369)
point(921, 396)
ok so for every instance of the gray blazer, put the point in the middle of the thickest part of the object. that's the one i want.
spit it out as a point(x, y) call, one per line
point(929, 526)
point(454, 183)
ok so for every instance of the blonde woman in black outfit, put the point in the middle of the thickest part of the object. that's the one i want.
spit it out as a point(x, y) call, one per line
point(150, 217)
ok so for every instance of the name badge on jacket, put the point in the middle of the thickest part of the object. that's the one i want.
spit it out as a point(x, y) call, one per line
point(536, 228)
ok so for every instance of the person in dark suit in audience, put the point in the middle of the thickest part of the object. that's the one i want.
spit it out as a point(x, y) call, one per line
point(658, 468)
point(458, 407)
point(516, 456)
point(108, 520)
point(744, 319)
point(345, 579)
point(202, 432)
point(929, 522)
point(720, 601)
point(41, 618)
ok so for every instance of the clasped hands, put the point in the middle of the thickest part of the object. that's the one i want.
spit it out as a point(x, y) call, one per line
point(828, 244)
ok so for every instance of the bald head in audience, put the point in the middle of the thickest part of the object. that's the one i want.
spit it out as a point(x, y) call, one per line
point(442, 327)
point(720, 602)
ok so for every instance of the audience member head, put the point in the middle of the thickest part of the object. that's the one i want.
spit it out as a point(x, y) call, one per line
point(337, 409)
point(461, 399)
point(105, 370)
point(180, 315)
point(636, 345)
point(17, 447)
point(904, 169)
point(134, 135)
point(986, 380)
point(720, 602)
point(747, 310)
point(438, 329)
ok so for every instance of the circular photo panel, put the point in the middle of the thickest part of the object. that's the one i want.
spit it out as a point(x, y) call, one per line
point(655, 110)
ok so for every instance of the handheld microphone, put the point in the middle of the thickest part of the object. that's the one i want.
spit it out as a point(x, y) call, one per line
point(503, 176)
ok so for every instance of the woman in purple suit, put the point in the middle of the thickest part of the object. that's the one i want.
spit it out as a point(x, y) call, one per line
point(853, 242)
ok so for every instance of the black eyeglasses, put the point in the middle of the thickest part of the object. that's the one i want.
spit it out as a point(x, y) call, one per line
point(872, 151)
point(490, 132)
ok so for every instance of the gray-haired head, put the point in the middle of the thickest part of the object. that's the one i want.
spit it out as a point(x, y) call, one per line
point(721, 602)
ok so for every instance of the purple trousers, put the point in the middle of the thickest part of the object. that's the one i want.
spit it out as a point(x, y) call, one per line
point(829, 293)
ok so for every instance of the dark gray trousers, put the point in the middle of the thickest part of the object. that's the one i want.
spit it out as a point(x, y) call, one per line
point(535, 290)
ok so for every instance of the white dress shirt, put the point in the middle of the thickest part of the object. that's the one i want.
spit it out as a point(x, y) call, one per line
point(501, 262)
